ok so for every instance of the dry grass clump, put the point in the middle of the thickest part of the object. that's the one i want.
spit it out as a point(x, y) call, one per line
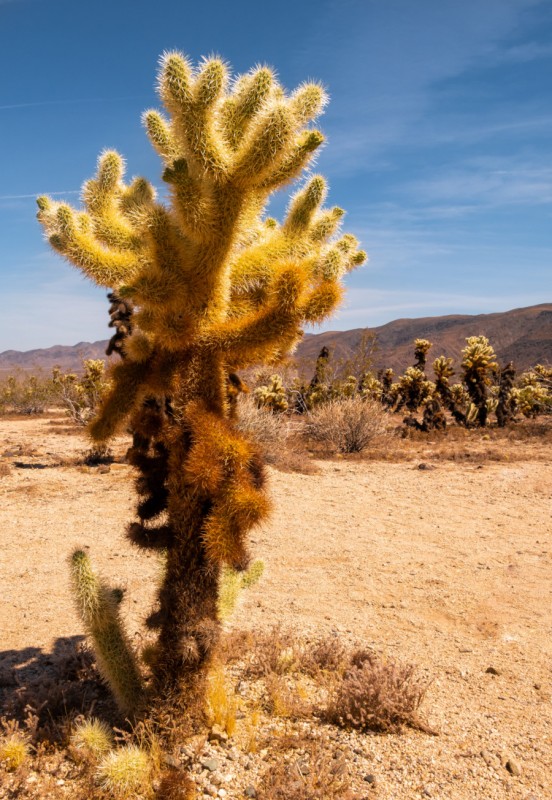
point(377, 694)
point(309, 773)
point(221, 701)
point(346, 425)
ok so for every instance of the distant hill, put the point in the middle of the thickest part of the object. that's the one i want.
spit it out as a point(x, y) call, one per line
point(523, 336)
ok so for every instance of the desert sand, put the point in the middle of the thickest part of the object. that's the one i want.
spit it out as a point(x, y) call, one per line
point(447, 567)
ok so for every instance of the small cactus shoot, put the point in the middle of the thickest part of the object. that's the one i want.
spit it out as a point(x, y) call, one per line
point(201, 286)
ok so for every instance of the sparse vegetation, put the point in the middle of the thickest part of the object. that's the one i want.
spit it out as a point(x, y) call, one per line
point(347, 425)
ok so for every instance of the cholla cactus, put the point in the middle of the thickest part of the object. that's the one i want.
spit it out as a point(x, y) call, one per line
point(82, 395)
point(98, 607)
point(478, 361)
point(388, 394)
point(370, 387)
point(414, 389)
point(532, 396)
point(216, 286)
point(421, 349)
point(506, 405)
point(272, 395)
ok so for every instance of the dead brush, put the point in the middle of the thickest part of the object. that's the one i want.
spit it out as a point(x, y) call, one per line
point(346, 425)
point(274, 652)
point(325, 656)
point(310, 772)
point(377, 694)
point(286, 698)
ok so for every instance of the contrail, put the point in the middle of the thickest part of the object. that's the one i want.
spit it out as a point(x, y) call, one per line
point(26, 196)
point(76, 100)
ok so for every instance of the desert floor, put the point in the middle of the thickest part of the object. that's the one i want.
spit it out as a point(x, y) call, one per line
point(447, 567)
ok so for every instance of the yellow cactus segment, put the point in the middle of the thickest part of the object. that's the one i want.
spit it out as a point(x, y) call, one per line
point(14, 751)
point(126, 773)
point(175, 81)
point(210, 82)
point(308, 102)
point(99, 610)
point(251, 92)
point(159, 133)
point(305, 204)
point(91, 739)
point(265, 147)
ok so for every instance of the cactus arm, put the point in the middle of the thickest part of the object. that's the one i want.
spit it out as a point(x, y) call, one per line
point(98, 609)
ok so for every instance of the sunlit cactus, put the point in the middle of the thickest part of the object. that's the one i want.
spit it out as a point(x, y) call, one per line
point(414, 388)
point(215, 285)
point(478, 363)
point(272, 395)
point(98, 607)
point(421, 349)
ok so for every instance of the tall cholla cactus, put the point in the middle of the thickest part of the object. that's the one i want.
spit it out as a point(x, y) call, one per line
point(478, 361)
point(421, 349)
point(215, 286)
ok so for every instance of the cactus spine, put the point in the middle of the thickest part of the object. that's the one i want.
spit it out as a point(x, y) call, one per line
point(215, 286)
point(98, 607)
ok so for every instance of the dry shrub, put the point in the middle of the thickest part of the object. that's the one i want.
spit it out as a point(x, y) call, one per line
point(327, 655)
point(286, 699)
point(346, 425)
point(274, 434)
point(268, 430)
point(312, 773)
point(379, 695)
point(274, 652)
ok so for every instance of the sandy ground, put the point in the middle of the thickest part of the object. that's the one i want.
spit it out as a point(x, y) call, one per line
point(447, 567)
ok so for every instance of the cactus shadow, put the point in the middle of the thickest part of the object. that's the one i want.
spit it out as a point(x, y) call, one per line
point(52, 685)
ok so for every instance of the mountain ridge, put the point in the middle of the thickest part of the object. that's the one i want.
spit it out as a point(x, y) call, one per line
point(521, 335)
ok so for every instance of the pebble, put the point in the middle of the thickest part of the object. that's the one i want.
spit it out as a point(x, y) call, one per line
point(250, 791)
point(212, 764)
point(493, 671)
point(369, 778)
point(217, 734)
point(513, 767)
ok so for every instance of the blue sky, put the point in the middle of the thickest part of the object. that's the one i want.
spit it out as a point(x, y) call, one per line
point(439, 140)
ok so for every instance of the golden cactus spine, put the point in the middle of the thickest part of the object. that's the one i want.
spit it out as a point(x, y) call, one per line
point(216, 286)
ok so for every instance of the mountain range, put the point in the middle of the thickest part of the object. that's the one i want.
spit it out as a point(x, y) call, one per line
point(523, 335)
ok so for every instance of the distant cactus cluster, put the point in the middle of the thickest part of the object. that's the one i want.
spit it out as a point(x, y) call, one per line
point(482, 389)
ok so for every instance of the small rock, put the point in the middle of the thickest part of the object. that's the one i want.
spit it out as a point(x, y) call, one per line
point(217, 734)
point(423, 465)
point(171, 761)
point(493, 671)
point(369, 778)
point(250, 791)
point(103, 469)
point(222, 793)
point(209, 790)
point(513, 767)
point(212, 764)
point(426, 792)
